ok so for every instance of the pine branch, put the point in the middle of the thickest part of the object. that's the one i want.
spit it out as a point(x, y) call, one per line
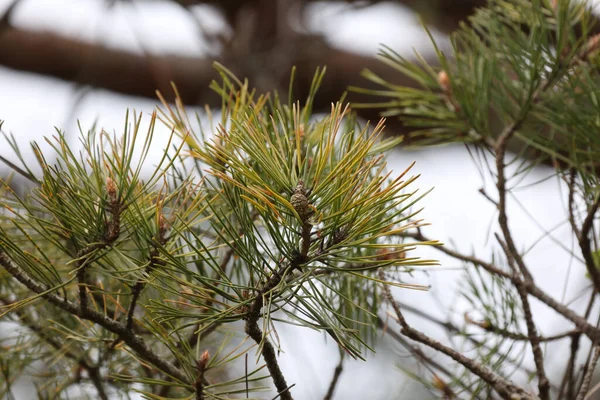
point(135, 342)
point(253, 330)
point(503, 387)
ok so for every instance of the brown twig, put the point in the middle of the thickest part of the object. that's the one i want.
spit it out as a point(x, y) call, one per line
point(585, 244)
point(487, 326)
point(253, 330)
point(580, 322)
point(588, 376)
point(427, 361)
point(503, 387)
point(337, 372)
point(532, 335)
point(571, 202)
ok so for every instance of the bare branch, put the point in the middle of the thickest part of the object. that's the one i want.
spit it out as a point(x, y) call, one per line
point(588, 377)
point(337, 372)
point(505, 388)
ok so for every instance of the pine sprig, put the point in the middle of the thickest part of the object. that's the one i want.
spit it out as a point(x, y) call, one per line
point(273, 216)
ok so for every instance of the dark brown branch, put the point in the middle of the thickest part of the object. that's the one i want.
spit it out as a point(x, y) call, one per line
point(93, 64)
point(453, 329)
point(141, 283)
point(419, 355)
point(580, 322)
point(569, 380)
point(585, 243)
point(253, 330)
point(337, 372)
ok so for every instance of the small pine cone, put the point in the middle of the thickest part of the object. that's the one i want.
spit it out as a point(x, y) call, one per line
point(300, 202)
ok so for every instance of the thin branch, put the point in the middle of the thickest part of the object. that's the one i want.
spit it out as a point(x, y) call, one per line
point(502, 386)
point(588, 377)
point(532, 335)
point(253, 330)
point(135, 342)
point(521, 337)
point(580, 322)
point(427, 361)
point(141, 283)
point(337, 372)
point(500, 150)
point(96, 378)
point(454, 254)
point(571, 202)
point(585, 244)
point(93, 371)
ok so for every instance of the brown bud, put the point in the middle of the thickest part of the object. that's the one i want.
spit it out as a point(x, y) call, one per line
point(203, 360)
point(111, 188)
point(390, 255)
point(486, 324)
point(444, 81)
point(300, 202)
point(163, 225)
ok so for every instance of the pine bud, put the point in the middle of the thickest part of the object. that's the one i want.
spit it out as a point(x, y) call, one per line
point(111, 189)
point(163, 226)
point(444, 81)
point(300, 202)
point(203, 360)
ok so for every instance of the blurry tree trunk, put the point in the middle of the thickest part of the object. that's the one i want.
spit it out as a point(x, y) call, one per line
point(263, 49)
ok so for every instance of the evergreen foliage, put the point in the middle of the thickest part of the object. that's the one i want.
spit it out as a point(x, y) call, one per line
point(125, 281)
point(522, 76)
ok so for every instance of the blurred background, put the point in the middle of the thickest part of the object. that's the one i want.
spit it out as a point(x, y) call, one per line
point(74, 64)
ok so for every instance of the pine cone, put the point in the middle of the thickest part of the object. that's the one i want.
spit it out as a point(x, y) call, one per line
point(300, 202)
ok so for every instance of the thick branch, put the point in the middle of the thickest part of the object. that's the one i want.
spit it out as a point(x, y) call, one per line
point(120, 71)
